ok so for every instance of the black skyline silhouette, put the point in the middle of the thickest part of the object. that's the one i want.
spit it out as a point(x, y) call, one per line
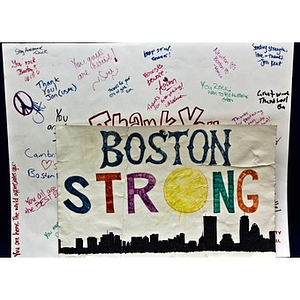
point(250, 241)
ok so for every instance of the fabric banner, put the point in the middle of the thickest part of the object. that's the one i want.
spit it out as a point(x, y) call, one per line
point(179, 189)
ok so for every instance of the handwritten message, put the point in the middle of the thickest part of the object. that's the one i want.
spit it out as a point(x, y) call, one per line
point(39, 200)
point(47, 164)
point(224, 92)
point(16, 251)
point(158, 53)
point(31, 50)
point(252, 118)
point(268, 55)
point(26, 68)
point(97, 64)
point(271, 97)
point(60, 117)
point(52, 232)
point(51, 89)
point(121, 87)
point(222, 65)
point(169, 90)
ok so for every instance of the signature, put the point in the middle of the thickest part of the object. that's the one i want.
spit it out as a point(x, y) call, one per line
point(103, 76)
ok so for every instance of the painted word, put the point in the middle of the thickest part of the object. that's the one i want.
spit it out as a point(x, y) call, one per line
point(121, 87)
point(24, 105)
point(218, 187)
point(209, 141)
point(269, 55)
point(222, 65)
point(185, 117)
point(50, 88)
point(158, 53)
point(40, 200)
point(271, 97)
point(33, 50)
point(220, 90)
point(254, 118)
point(28, 68)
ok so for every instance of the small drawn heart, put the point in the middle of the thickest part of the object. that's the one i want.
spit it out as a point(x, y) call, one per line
point(46, 164)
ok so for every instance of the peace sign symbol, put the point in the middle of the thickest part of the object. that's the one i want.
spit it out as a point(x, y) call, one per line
point(23, 103)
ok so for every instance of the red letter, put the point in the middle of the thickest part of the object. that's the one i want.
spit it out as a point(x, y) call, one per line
point(108, 178)
point(254, 198)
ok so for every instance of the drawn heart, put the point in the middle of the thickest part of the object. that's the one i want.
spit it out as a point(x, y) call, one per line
point(46, 164)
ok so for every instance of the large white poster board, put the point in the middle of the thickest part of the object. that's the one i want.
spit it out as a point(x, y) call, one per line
point(132, 85)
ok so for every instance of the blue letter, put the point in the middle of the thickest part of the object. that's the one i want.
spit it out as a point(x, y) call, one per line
point(157, 150)
point(86, 204)
point(205, 147)
point(215, 141)
point(128, 147)
point(177, 135)
point(105, 149)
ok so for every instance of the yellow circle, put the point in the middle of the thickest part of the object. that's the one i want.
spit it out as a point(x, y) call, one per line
point(186, 190)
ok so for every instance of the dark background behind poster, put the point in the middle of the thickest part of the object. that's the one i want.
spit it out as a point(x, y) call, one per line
point(294, 160)
point(293, 167)
point(5, 232)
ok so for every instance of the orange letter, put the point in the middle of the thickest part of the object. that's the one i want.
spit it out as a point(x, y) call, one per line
point(254, 198)
point(108, 178)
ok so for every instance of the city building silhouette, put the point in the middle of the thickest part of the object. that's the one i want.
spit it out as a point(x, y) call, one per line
point(250, 240)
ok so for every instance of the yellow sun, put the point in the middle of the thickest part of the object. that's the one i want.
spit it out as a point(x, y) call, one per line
point(186, 190)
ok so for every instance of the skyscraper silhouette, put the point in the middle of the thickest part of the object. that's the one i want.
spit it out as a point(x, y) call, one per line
point(250, 240)
point(244, 232)
point(210, 232)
